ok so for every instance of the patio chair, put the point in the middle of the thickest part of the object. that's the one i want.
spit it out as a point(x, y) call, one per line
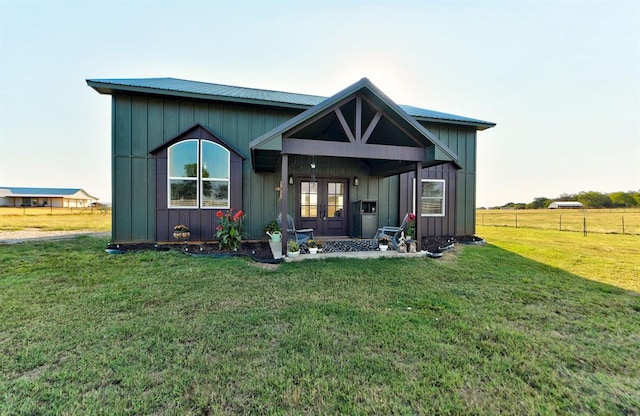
point(393, 233)
point(299, 235)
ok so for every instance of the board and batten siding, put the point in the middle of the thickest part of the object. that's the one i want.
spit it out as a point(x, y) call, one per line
point(153, 121)
point(460, 191)
point(463, 141)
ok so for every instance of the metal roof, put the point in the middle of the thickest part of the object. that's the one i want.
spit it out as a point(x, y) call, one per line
point(209, 91)
point(42, 192)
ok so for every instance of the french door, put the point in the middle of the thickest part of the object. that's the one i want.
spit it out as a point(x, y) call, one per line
point(322, 206)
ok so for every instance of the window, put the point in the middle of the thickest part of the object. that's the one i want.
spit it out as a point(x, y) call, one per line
point(198, 175)
point(432, 197)
point(309, 199)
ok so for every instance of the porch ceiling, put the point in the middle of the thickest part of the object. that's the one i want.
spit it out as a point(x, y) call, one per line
point(358, 122)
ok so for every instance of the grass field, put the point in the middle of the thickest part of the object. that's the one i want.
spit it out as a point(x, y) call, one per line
point(486, 330)
point(54, 219)
point(596, 220)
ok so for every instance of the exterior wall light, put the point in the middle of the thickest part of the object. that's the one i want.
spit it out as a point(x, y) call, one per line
point(290, 179)
point(356, 182)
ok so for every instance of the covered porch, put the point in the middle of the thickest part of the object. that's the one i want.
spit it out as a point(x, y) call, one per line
point(333, 154)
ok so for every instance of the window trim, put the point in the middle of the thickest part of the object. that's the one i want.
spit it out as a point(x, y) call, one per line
point(443, 212)
point(198, 178)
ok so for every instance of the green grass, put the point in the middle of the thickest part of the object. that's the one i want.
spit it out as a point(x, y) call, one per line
point(597, 220)
point(607, 258)
point(481, 331)
point(54, 219)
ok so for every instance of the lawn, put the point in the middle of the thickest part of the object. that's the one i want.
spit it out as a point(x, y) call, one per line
point(607, 258)
point(616, 220)
point(480, 331)
point(55, 219)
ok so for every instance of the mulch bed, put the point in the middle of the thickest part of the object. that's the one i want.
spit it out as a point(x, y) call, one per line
point(260, 251)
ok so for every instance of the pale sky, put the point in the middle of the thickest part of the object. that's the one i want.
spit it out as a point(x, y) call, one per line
point(560, 78)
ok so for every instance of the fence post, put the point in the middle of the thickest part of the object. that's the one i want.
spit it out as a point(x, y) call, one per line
point(584, 226)
point(560, 222)
point(623, 224)
point(516, 220)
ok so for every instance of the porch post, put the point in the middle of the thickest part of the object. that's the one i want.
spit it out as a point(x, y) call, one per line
point(418, 193)
point(284, 202)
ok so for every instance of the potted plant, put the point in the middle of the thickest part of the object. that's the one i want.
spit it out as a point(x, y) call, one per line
point(293, 248)
point(181, 232)
point(312, 245)
point(272, 229)
point(383, 243)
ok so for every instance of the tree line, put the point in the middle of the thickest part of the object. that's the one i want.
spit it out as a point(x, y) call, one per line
point(590, 199)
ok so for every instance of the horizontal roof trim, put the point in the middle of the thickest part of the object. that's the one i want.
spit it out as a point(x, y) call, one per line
point(208, 91)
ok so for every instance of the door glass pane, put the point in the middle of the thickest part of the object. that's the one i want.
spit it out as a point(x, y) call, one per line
point(308, 199)
point(335, 199)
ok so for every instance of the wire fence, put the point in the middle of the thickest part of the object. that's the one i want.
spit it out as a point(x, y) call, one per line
point(605, 221)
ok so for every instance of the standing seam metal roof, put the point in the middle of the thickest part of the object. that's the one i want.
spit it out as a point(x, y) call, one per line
point(107, 86)
point(19, 191)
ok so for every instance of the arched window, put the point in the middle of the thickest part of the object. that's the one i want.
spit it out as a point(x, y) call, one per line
point(198, 175)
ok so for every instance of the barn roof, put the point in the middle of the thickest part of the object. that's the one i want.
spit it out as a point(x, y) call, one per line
point(14, 191)
point(204, 90)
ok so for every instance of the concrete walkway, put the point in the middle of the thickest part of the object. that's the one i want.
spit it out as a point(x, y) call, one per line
point(373, 254)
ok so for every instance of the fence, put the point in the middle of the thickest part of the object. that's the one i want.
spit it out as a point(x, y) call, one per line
point(38, 211)
point(607, 221)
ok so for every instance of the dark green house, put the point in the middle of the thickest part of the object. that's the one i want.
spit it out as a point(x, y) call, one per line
point(183, 150)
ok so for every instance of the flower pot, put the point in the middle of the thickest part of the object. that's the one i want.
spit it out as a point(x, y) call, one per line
point(182, 235)
point(293, 254)
point(313, 250)
point(383, 247)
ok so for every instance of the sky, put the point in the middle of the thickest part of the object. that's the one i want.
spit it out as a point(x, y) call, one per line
point(561, 79)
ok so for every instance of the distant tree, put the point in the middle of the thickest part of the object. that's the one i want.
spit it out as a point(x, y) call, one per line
point(539, 202)
point(623, 199)
point(566, 197)
point(636, 196)
point(593, 199)
point(514, 205)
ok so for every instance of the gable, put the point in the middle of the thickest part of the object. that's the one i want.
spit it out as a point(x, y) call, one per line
point(358, 122)
point(199, 132)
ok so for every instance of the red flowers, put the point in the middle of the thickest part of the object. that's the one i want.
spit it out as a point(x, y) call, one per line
point(412, 216)
point(229, 229)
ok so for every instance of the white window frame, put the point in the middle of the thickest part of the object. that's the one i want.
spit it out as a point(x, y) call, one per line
point(199, 179)
point(442, 213)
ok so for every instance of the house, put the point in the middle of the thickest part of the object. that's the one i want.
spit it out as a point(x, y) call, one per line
point(183, 150)
point(566, 205)
point(11, 196)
